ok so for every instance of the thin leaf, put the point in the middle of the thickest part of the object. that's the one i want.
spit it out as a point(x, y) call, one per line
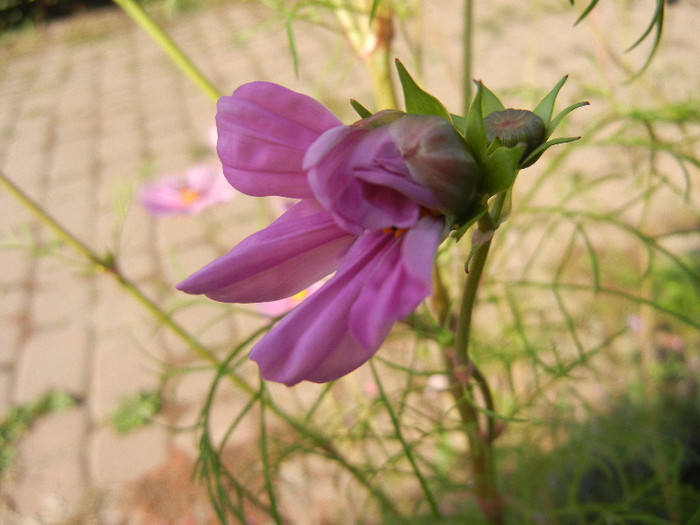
point(417, 100)
point(373, 11)
point(407, 448)
point(467, 223)
point(657, 22)
point(546, 106)
point(292, 47)
point(585, 11)
point(554, 123)
point(544, 147)
point(360, 109)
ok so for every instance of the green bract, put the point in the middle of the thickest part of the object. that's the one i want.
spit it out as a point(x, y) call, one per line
point(501, 140)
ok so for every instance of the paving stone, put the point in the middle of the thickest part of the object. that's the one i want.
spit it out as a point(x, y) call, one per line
point(64, 302)
point(53, 360)
point(5, 388)
point(118, 459)
point(51, 474)
point(125, 362)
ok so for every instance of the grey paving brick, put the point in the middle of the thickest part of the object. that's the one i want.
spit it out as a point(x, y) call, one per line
point(53, 359)
point(51, 480)
point(5, 389)
point(12, 304)
point(118, 459)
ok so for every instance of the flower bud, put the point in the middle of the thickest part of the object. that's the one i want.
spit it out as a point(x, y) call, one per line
point(515, 126)
point(437, 158)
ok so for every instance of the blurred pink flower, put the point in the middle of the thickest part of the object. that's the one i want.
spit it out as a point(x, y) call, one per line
point(372, 202)
point(212, 136)
point(198, 188)
point(283, 306)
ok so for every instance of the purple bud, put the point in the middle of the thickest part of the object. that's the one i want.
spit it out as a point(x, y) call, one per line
point(437, 158)
point(515, 126)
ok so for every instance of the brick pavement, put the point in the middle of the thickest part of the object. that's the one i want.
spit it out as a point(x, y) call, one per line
point(86, 107)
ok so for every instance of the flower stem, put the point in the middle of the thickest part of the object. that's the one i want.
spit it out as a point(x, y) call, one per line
point(379, 63)
point(464, 373)
point(467, 64)
point(372, 43)
point(143, 19)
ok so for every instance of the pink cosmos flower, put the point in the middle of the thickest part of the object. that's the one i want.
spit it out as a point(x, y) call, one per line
point(200, 187)
point(373, 198)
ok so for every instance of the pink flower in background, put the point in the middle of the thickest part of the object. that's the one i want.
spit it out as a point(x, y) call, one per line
point(198, 188)
point(212, 136)
point(365, 213)
point(283, 306)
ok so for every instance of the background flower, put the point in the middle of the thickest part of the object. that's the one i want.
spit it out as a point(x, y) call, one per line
point(184, 194)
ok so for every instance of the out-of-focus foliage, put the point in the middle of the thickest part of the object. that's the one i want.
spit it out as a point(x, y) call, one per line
point(17, 13)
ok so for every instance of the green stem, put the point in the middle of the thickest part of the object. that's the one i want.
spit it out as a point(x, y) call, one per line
point(467, 64)
point(143, 19)
point(463, 372)
point(379, 65)
point(377, 60)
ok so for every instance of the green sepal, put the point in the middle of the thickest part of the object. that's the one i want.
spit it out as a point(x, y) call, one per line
point(475, 135)
point(546, 106)
point(476, 213)
point(360, 109)
point(501, 168)
point(490, 102)
point(505, 210)
point(532, 157)
point(551, 126)
point(417, 100)
point(460, 123)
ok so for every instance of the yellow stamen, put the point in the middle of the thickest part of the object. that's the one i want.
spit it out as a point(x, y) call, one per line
point(396, 231)
point(297, 298)
point(189, 196)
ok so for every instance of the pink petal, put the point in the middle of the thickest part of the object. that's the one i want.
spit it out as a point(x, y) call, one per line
point(264, 131)
point(313, 342)
point(162, 198)
point(319, 340)
point(301, 247)
point(398, 284)
point(333, 163)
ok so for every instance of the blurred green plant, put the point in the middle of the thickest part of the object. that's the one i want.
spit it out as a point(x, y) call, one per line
point(134, 411)
point(632, 463)
point(19, 419)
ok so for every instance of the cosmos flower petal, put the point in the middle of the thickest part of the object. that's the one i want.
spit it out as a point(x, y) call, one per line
point(313, 342)
point(264, 131)
point(333, 164)
point(301, 247)
point(397, 284)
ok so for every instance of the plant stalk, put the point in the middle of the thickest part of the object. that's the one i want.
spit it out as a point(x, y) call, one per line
point(143, 19)
point(465, 375)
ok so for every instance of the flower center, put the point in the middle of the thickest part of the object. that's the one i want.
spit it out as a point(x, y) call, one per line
point(397, 232)
point(189, 196)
